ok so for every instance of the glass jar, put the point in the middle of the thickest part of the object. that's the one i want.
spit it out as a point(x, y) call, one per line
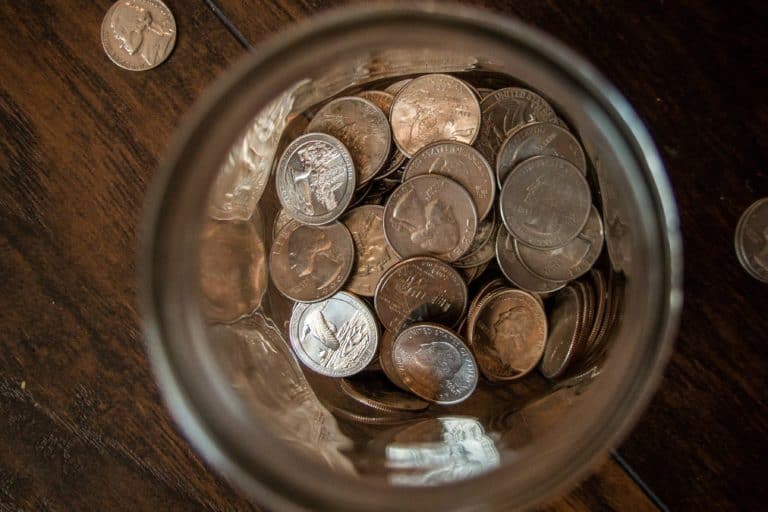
point(220, 352)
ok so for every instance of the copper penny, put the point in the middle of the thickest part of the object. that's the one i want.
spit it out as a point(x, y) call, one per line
point(376, 392)
point(397, 86)
point(513, 269)
point(373, 256)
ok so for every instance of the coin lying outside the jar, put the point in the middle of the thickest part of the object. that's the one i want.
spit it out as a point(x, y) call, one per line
point(482, 248)
point(138, 35)
point(463, 164)
point(435, 363)
point(420, 289)
point(538, 139)
point(751, 240)
point(545, 202)
point(362, 127)
point(565, 322)
point(375, 391)
point(432, 108)
point(430, 215)
point(310, 263)
point(336, 337)
point(373, 256)
point(513, 269)
point(315, 179)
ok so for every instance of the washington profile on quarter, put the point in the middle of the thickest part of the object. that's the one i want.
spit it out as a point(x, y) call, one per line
point(138, 35)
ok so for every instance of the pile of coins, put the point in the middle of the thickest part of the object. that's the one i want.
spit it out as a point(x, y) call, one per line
point(405, 196)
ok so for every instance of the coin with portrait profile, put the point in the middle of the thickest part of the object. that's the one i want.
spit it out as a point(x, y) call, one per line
point(138, 35)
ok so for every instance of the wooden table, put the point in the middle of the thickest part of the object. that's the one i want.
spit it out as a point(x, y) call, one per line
point(81, 423)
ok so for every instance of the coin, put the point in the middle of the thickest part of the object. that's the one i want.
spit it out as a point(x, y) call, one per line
point(393, 165)
point(601, 305)
point(430, 215)
point(397, 86)
point(751, 240)
point(336, 337)
point(483, 92)
point(504, 110)
point(362, 127)
point(373, 255)
point(383, 100)
point(311, 263)
point(315, 179)
point(565, 322)
point(138, 35)
point(281, 220)
point(471, 273)
point(385, 359)
point(376, 391)
point(513, 269)
point(420, 289)
point(545, 202)
point(482, 248)
point(535, 139)
point(507, 334)
point(572, 260)
point(432, 108)
point(463, 164)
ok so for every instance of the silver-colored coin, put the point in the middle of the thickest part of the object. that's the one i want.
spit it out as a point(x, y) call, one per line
point(362, 127)
point(373, 256)
point(138, 35)
point(565, 323)
point(315, 179)
point(463, 164)
point(483, 246)
point(572, 260)
point(504, 110)
point(336, 337)
point(515, 272)
point(434, 108)
point(545, 202)
point(435, 364)
point(751, 240)
point(535, 139)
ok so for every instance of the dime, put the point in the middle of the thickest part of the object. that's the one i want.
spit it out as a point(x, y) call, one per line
point(752, 240)
point(515, 272)
point(570, 261)
point(508, 333)
point(463, 164)
point(545, 202)
point(430, 215)
point(373, 255)
point(397, 86)
point(376, 391)
point(536, 139)
point(420, 289)
point(504, 110)
point(435, 363)
point(362, 127)
point(432, 108)
point(565, 322)
point(311, 263)
point(482, 248)
point(385, 359)
point(336, 337)
point(315, 179)
point(138, 34)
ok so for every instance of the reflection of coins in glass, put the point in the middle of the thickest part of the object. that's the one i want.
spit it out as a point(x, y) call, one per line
point(752, 240)
point(375, 391)
point(373, 256)
point(138, 34)
point(310, 263)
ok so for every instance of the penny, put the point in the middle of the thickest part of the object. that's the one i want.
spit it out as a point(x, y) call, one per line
point(381, 99)
point(572, 260)
point(386, 342)
point(508, 334)
point(471, 273)
point(418, 290)
point(435, 363)
point(315, 179)
point(311, 263)
point(751, 240)
point(430, 215)
point(397, 86)
point(138, 35)
point(565, 321)
point(482, 249)
point(373, 255)
point(536, 139)
point(545, 202)
point(513, 269)
point(433, 108)
point(463, 164)
point(362, 127)
point(376, 391)
point(504, 110)
point(281, 220)
point(336, 337)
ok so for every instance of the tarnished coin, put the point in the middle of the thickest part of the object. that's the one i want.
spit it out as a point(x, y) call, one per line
point(138, 34)
point(396, 159)
point(752, 240)
point(572, 260)
point(362, 127)
point(535, 139)
point(430, 215)
point(432, 108)
point(397, 86)
point(381, 99)
point(513, 269)
point(508, 333)
point(483, 92)
point(545, 202)
point(601, 302)
point(376, 392)
point(393, 165)
point(471, 273)
point(504, 110)
point(373, 256)
point(483, 246)
point(336, 337)
point(315, 179)
point(281, 220)
point(463, 164)
point(311, 263)
point(418, 290)
point(386, 343)
point(565, 322)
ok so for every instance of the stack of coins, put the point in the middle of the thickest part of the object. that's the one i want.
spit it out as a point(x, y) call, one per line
point(395, 200)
